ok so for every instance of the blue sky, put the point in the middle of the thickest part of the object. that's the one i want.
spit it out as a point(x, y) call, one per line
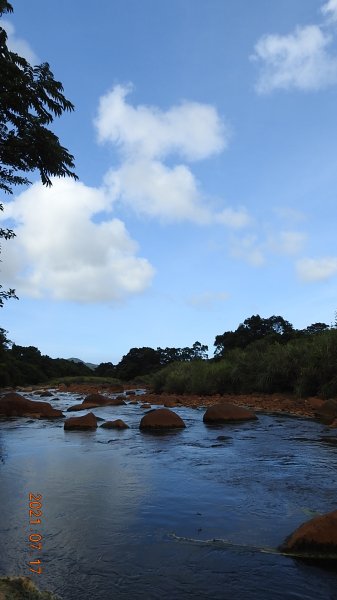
point(204, 136)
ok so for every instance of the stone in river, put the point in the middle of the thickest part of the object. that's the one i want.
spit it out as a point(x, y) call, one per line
point(327, 412)
point(100, 400)
point(77, 407)
point(161, 418)
point(15, 405)
point(88, 421)
point(117, 424)
point(224, 413)
point(317, 537)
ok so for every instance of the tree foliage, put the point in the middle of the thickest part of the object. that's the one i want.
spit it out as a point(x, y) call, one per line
point(30, 99)
point(252, 329)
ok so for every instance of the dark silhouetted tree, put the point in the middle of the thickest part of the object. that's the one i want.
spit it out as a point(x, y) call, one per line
point(30, 99)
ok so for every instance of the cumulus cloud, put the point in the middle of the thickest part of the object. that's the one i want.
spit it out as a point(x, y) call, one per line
point(255, 249)
point(300, 60)
point(18, 45)
point(316, 269)
point(151, 188)
point(62, 252)
point(329, 10)
point(68, 246)
point(146, 137)
point(192, 130)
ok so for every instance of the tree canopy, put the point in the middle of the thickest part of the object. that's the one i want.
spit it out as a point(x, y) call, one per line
point(30, 99)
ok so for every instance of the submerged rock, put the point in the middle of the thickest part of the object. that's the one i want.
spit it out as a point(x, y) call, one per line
point(117, 424)
point(15, 405)
point(317, 537)
point(161, 418)
point(88, 421)
point(224, 413)
point(22, 588)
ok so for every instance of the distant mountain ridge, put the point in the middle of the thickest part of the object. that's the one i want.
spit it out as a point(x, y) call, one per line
point(78, 360)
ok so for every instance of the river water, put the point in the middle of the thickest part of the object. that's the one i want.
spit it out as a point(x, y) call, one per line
point(133, 515)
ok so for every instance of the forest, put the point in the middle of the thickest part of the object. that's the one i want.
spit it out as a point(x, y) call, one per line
point(263, 355)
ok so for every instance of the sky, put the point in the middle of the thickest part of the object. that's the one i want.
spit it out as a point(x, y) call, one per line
point(204, 137)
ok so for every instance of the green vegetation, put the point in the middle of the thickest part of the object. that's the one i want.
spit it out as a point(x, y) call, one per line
point(260, 356)
point(304, 365)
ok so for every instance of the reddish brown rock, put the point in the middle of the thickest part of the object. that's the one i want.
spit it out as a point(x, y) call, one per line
point(161, 418)
point(15, 405)
point(100, 400)
point(88, 421)
point(224, 413)
point(145, 405)
point(77, 407)
point(170, 403)
point(97, 399)
point(327, 412)
point(117, 424)
point(316, 537)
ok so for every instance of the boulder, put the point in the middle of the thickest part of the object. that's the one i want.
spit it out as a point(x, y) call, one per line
point(161, 418)
point(117, 424)
point(100, 400)
point(88, 421)
point(170, 403)
point(145, 405)
point(225, 413)
point(97, 399)
point(15, 405)
point(327, 412)
point(45, 394)
point(77, 407)
point(317, 537)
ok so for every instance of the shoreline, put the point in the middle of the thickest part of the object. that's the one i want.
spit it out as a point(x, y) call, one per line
point(271, 403)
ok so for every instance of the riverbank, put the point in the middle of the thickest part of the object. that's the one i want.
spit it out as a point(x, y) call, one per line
point(271, 403)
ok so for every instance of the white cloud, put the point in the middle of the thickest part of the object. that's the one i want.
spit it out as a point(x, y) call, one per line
point(62, 253)
point(256, 248)
point(207, 300)
point(151, 188)
point(145, 137)
point(234, 218)
point(287, 242)
point(299, 60)
point(193, 131)
point(329, 10)
point(311, 269)
point(18, 45)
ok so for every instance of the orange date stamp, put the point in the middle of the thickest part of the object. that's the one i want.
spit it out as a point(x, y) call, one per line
point(35, 538)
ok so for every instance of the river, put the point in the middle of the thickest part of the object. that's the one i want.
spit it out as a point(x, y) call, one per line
point(134, 515)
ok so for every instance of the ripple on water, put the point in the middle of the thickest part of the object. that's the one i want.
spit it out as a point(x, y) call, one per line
point(136, 515)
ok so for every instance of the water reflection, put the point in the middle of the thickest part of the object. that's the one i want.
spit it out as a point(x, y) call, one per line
point(128, 514)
